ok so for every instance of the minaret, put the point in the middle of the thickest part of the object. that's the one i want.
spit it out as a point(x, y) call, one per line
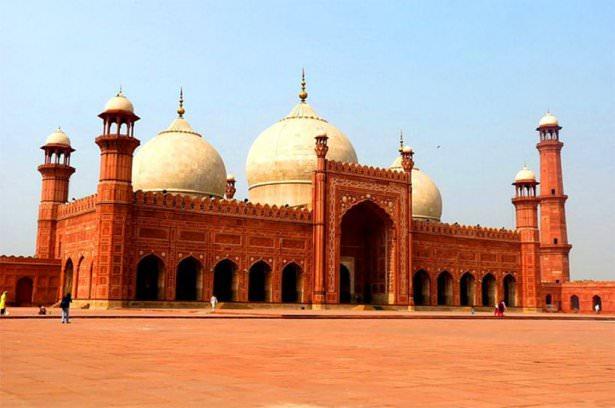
point(554, 247)
point(230, 187)
point(56, 172)
point(526, 208)
point(115, 196)
point(319, 198)
point(407, 163)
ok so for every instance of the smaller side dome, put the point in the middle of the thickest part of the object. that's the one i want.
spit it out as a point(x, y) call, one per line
point(548, 120)
point(525, 174)
point(58, 138)
point(119, 103)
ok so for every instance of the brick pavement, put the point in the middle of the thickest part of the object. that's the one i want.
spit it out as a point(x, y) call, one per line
point(306, 363)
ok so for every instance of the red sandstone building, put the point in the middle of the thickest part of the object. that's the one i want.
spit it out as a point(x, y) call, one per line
point(319, 230)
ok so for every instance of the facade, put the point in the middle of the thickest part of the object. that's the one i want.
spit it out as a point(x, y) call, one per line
point(319, 229)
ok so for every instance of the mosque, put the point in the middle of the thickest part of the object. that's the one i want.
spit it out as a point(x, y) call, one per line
point(319, 229)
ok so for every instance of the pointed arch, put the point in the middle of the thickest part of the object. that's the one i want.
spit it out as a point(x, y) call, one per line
point(292, 283)
point(226, 281)
point(489, 290)
point(150, 278)
point(574, 303)
point(421, 285)
point(445, 289)
point(67, 284)
point(24, 291)
point(259, 282)
point(510, 291)
point(189, 279)
point(467, 289)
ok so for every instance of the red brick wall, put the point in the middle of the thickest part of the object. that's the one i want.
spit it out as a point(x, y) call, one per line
point(44, 274)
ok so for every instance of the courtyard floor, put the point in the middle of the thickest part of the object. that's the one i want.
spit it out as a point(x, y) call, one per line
point(134, 362)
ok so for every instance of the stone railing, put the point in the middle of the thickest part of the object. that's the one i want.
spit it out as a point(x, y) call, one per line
point(221, 206)
point(81, 205)
point(366, 171)
point(464, 230)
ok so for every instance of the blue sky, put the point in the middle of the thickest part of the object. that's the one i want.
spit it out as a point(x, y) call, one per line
point(473, 77)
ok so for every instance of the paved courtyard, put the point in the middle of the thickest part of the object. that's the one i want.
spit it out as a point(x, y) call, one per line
point(132, 362)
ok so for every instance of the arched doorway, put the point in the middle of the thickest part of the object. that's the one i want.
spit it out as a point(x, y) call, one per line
point(25, 287)
point(549, 300)
point(189, 280)
point(488, 290)
point(445, 289)
point(150, 278)
point(597, 301)
point(510, 291)
point(225, 281)
point(292, 283)
point(259, 289)
point(574, 303)
point(420, 287)
point(67, 287)
point(367, 234)
point(345, 285)
point(467, 287)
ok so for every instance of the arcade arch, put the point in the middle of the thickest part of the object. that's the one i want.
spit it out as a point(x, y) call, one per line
point(489, 290)
point(189, 280)
point(292, 283)
point(467, 288)
point(259, 288)
point(421, 288)
point(25, 288)
point(510, 291)
point(150, 278)
point(67, 287)
point(445, 289)
point(226, 282)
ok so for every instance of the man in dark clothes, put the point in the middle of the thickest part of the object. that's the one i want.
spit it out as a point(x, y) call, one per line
point(65, 305)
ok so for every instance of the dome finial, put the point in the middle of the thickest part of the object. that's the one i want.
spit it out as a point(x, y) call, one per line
point(401, 139)
point(181, 110)
point(303, 94)
point(119, 93)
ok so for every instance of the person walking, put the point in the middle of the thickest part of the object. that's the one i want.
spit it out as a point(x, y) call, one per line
point(65, 306)
point(3, 303)
point(214, 302)
point(496, 311)
point(501, 308)
point(596, 307)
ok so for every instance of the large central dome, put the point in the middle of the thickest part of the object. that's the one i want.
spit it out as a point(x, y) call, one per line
point(282, 158)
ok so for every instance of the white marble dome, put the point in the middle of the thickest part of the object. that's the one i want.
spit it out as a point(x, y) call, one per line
point(178, 160)
point(548, 120)
point(58, 138)
point(281, 160)
point(119, 103)
point(525, 174)
point(426, 198)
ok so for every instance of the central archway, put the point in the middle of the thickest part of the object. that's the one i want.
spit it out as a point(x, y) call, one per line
point(421, 287)
point(445, 289)
point(189, 280)
point(466, 289)
point(225, 281)
point(488, 290)
point(259, 289)
point(292, 283)
point(367, 233)
point(150, 278)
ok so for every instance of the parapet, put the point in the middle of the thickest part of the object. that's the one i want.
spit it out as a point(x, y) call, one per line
point(79, 206)
point(214, 205)
point(28, 260)
point(366, 171)
point(468, 231)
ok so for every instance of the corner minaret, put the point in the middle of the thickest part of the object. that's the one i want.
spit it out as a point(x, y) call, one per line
point(526, 208)
point(554, 247)
point(114, 198)
point(56, 172)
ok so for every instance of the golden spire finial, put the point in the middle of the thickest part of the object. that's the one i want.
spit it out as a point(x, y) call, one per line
point(119, 93)
point(303, 94)
point(181, 110)
point(401, 139)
